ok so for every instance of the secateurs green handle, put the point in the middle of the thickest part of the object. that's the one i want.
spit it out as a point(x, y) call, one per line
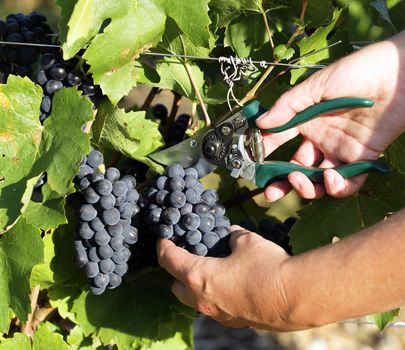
point(271, 171)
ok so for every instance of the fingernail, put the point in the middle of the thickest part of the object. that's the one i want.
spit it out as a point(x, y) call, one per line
point(264, 115)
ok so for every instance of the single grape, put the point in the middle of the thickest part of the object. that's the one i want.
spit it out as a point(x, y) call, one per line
point(110, 216)
point(186, 209)
point(106, 265)
point(191, 221)
point(90, 196)
point(91, 269)
point(207, 223)
point(218, 209)
point(73, 78)
point(199, 188)
point(177, 199)
point(81, 257)
point(103, 187)
point(115, 230)
point(84, 230)
point(101, 280)
point(107, 202)
point(46, 104)
point(47, 61)
point(191, 172)
point(119, 200)
point(127, 210)
point(175, 170)
point(87, 212)
point(201, 209)
point(171, 216)
point(101, 237)
point(193, 237)
point(209, 197)
point(190, 181)
point(131, 235)
point(210, 239)
point(84, 183)
point(222, 221)
point(92, 255)
point(199, 249)
point(154, 215)
point(116, 242)
point(112, 174)
point(160, 197)
point(130, 181)
point(121, 269)
point(105, 251)
point(58, 72)
point(132, 196)
point(96, 224)
point(222, 231)
point(120, 256)
point(97, 290)
point(84, 170)
point(52, 86)
point(179, 230)
point(176, 183)
point(119, 188)
point(97, 176)
point(41, 78)
point(192, 196)
point(161, 182)
point(115, 280)
point(165, 231)
point(95, 159)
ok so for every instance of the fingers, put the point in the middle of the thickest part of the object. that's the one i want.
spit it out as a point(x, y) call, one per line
point(308, 154)
point(277, 190)
point(183, 294)
point(339, 187)
point(272, 141)
point(177, 261)
point(305, 187)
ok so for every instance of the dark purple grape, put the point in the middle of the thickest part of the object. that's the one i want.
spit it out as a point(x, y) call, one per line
point(207, 223)
point(101, 237)
point(199, 249)
point(105, 252)
point(106, 266)
point(103, 187)
point(92, 255)
point(175, 170)
point(115, 230)
point(81, 257)
point(201, 209)
point(87, 212)
point(176, 183)
point(222, 231)
point(57, 72)
point(112, 174)
point(191, 172)
point(191, 221)
point(91, 269)
point(95, 159)
point(110, 216)
point(107, 202)
point(119, 188)
point(177, 199)
point(90, 196)
point(193, 237)
point(209, 197)
point(73, 78)
point(121, 269)
point(131, 235)
point(192, 196)
point(115, 280)
point(165, 231)
point(52, 86)
point(210, 239)
point(116, 242)
point(132, 196)
point(101, 280)
point(96, 224)
point(161, 182)
point(171, 216)
point(84, 230)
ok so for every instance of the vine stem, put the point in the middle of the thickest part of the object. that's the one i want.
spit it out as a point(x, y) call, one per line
point(28, 328)
point(266, 24)
point(41, 314)
point(197, 93)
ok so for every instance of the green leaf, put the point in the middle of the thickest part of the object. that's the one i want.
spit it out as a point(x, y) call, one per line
point(19, 341)
point(21, 249)
point(395, 154)
point(44, 338)
point(137, 313)
point(328, 217)
point(282, 53)
point(191, 17)
point(174, 76)
point(319, 40)
point(128, 133)
point(20, 138)
point(383, 16)
point(246, 34)
point(383, 318)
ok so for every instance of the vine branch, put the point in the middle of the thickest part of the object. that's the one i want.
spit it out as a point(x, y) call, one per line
point(148, 100)
point(173, 112)
point(29, 328)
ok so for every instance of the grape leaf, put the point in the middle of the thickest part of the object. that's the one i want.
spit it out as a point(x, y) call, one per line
point(182, 11)
point(318, 40)
point(128, 133)
point(20, 138)
point(144, 309)
point(281, 52)
point(44, 338)
point(396, 10)
point(383, 17)
point(176, 42)
point(246, 34)
point(20, 250)
point(395, 154)
point(174, 76)
point(382, 319)
point(19, 341)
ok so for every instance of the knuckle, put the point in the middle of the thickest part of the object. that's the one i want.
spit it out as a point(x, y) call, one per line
point(192, 280)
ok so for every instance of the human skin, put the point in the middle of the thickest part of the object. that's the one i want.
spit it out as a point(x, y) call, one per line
point(259, 284)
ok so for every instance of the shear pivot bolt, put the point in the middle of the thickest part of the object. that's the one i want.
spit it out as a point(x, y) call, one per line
point(193, 143)
point(236, 163)
point(225, 130)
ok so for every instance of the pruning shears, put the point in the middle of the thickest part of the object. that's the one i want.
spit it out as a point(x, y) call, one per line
point(237, 144)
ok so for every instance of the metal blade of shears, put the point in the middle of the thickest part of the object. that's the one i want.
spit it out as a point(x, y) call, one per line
point(187, 153)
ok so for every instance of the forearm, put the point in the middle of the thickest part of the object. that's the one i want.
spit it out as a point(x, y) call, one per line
point(356, 276)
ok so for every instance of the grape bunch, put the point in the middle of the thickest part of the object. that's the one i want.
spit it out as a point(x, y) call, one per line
point(19, 28)
point(177, 207)
point(55, 74)
point(273, 231)
point(106, 209)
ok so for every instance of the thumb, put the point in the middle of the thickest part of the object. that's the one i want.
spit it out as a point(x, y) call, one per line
point(291, 102)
